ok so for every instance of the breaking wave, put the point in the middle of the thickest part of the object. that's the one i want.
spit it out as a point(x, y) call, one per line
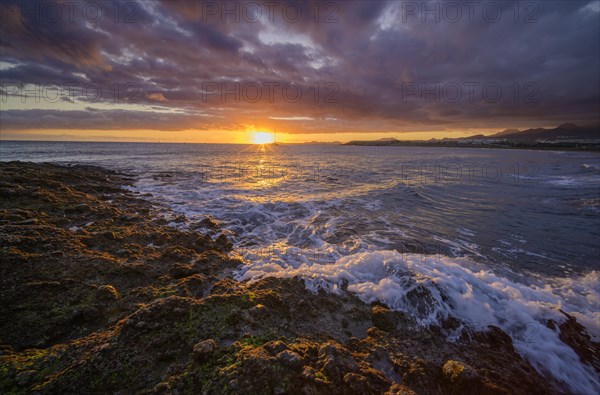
point(434, 288)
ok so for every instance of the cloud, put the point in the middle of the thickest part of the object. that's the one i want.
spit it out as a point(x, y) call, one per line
point(156, 97)
point(372, 66)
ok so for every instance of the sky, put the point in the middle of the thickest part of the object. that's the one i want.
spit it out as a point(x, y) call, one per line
point(219, 72)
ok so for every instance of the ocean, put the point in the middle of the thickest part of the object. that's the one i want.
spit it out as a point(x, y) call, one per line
point(490, 236)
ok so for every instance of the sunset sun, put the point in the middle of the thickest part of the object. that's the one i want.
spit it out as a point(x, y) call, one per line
point(262, 138)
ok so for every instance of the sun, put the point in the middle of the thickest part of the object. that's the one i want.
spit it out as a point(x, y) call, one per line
point(262, 138)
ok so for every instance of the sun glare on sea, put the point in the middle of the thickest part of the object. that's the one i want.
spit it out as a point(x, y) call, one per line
point(262, 138)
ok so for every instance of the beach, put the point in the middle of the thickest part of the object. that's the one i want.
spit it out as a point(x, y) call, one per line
point(101, 293)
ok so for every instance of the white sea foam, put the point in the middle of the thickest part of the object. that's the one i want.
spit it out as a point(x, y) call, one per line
point(465, 232)
point(433, 288)
point(574, 180)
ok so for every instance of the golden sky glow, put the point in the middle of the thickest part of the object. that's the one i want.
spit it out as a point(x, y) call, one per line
point(221, 136)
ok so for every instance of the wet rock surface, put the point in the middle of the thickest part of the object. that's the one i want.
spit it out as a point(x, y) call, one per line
point(575, 335)
point(100, 295)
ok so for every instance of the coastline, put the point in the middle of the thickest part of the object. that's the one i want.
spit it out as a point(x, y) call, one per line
point(537, 147)
point(101, 294)
point(533, 147)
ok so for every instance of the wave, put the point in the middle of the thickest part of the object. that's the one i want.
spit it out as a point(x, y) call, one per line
point(593, 166)
point(433, 288)
point(574, 181)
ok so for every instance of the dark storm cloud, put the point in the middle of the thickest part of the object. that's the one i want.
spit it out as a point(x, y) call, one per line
point(377, 65)
point(96, 119)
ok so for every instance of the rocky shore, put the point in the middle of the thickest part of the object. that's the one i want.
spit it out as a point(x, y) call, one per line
point(101, 293)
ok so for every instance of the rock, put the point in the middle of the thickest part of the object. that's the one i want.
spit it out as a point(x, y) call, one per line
point(141, 325)
point(383, 318)
point(202, 243)
point(108, 235)
point(308, 373)
point(357, 384)
point(178, 254)
point(290, 359)
point(25, 377)
point(91, 313)
point(161, 388)
point(336, 360)
point(375, 332)
point(181, 271)
point(422, 301)
point(259, 311)
point(214, 262)
point(576, 336)
point(460, 377)
point(275, 347)
point(204, 349)
point(194, 286)
point(223, 243)
point(399, 389)
point(6, 349)
point(30, 221)
point(234, 384)
point(78, 209)
point(209, 223)
point(107, 293)
point(495, 337)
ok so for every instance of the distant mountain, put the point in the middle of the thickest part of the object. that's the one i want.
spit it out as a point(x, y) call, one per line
point(505, 132)
point(567, 136)
point(566, 131)
point(569, 126)
point(323, 142)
